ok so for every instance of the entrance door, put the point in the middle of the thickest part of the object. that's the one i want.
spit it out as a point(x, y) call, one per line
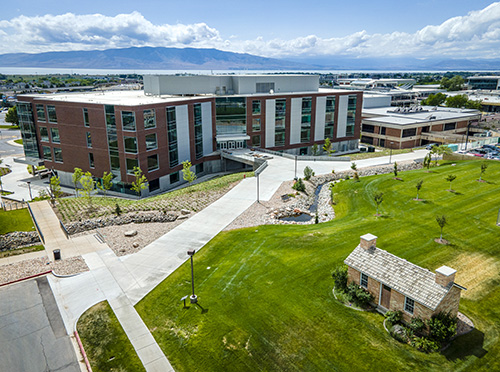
point(230, 145)
point(385, 299)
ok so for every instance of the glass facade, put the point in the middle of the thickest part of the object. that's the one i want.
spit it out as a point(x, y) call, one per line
point(40, 113)
point(44, 134)
point(305, 124)
point(152, 163)
point(351, 116)
point(114, 157)
point(28, 130)
point(173, 153)
point(149, 119)
point(128, 120)
point(330, 117)
point(279, 129)
point(198, 131)
point(51, 111)
point(230, 115)
point(151, 142)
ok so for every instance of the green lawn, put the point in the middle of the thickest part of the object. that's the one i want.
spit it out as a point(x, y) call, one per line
point(16, 220)
point(10, 127)
point(266, 292)
point(105, 342)
point(19, 141)
point(384, 152)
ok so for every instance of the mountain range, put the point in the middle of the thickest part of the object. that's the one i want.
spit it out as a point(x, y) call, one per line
point(160, 58)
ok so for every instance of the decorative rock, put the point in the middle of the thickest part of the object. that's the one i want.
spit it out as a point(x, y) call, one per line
point(18, 239)
point(182, 217)
point(185, 211)
point(130, 233)
point(135, 244)
point(398, 330)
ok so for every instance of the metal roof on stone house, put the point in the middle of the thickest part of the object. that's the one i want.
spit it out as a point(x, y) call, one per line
point(405, 277)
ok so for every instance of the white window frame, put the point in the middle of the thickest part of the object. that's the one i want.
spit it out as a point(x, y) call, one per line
point(361, 280)
point(406, 304)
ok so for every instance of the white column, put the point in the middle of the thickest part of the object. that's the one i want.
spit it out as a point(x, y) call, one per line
point(342, 119)
point(270, 122)
point(295, 120)
point(182, 122)
point(206, 124)
point(319, 131)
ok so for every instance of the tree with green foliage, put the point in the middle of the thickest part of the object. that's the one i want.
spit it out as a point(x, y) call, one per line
point(187, 173)
point(457, 101)
point(77, 174)
point(378, 198)
point(327, 146)
point(483, 169)
point(434, 100)
point(419, 186)
point(315, 149)
point(441, 221)
point(140, 182)
point(427, 161)
point(55, 188)
point(106, 182)
point(308, 173)
point(354, 167)
point(395, 169)
point(11, 116)
point(450, 179)
point(88, 186)
point(339, 276)
point(299, 185)
point(453, 84)
point(474, 104)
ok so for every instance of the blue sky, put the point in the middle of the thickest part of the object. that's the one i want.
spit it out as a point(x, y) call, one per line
point(279, 28)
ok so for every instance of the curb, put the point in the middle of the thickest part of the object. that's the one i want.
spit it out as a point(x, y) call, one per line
point(82, 350)
point(26, 278)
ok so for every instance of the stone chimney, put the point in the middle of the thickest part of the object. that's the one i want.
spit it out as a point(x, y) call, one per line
point(368, 241)
point(445, 275)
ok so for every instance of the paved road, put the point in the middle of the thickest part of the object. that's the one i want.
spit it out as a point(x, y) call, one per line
point(32, 334)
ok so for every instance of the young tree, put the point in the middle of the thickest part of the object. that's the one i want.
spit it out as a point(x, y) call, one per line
point(354, 167)
point(419, 186)
point(140, 182)
point(327, 146)
point(427, 161)
point(444, 149)
point(483, 169)
point(450, 179)
point(308, 173)
point(315, 149)
point(378, 198)
point(187, 174)
point(11, 116)
point(299, 185)
point(395, 169)
point(106, 183)
point(77, 174)
point(55, 189)
point(88, 186)
point(441, 221)
point(435, 151)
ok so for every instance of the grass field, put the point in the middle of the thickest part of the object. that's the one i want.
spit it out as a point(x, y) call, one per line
point(266, 293)
point(9, 127)
point(16, 220)
point(19, 141)
point(105, 342)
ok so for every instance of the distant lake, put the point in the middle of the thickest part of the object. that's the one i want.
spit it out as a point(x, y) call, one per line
point(83, 71)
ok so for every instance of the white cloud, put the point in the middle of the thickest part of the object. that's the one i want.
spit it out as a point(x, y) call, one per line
point(476, 34)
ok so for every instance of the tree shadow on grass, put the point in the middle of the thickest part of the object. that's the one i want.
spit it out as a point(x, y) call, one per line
point(466, 345)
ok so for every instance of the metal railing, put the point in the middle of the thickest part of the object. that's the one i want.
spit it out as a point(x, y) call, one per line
point(36, 223)
point(63, 228)
point(100, 237)
point(305, 157)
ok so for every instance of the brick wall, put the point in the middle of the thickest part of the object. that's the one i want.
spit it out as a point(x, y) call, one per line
point(450, 303)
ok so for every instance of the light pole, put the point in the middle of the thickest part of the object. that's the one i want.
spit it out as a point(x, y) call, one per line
point(258, 189)
point(390, 156)
point(29, 188)
point(295, 178)
point(193, 298)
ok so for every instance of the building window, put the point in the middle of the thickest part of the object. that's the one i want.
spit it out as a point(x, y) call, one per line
point(279, 128)
point(51, 111)
point(89, 140)
point(131, 164)
point(152, 163)
point(174, 177)
point(86, 121)
point(305, 126)
point(264, 87)
point(351, 116)
point(58, 155)
point(256, 141)
point(130, 145)
point(54, 133)
point(255, 107)
point(198, 131)
point(450, 126)
point(199, 168)
point(40, 113)
point(329, 117)
point(368, 128)
point(364, 281)
point(256, 124)
point(91, 160)
point(230, 115)
point(149, 119)
point(44, 134)
point(409, 132)
point(382, 130)
point(151, 142)
point(47, 153)
point(173, 153)
point(128, 120)
point(409, 305)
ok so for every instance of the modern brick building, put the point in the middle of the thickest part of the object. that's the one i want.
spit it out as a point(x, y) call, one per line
point(397, 284)
point(178, 118)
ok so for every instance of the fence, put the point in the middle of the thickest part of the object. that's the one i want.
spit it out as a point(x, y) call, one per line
point(36, 223)
point(305, 157)
point(12, 205)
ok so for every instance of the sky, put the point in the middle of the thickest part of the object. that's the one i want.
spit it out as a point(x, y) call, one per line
point(272, 28)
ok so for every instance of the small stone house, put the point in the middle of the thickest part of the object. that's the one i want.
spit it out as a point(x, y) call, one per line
point(397, 284)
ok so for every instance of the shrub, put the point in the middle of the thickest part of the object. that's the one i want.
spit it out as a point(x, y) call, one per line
point(442, 327)
point(394, 317)
point(308, 173)
point(424, 344)
point(417, 325)
point(346, 177)
point(358, 295)
point(118, 210)
point(299, 185)
point(339, 275)
point(356, 176)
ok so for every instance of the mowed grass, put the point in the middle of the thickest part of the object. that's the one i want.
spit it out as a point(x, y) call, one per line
point(266, 293)
point(16, 220)
point(105, 342)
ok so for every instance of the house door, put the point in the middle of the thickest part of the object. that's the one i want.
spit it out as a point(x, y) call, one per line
point(385, 299)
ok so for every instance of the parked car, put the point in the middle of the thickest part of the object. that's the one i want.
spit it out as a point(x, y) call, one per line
point(491, 147)
point(431, 145)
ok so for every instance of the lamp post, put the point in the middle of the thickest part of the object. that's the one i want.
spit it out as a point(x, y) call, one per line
point(193, 297)
point(29, 188)
point(295, 178)
point(390, 156)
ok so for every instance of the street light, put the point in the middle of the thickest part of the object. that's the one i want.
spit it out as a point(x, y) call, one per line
point(29, 188)
point(295, 178)
point(390, 156)
point(193, 298)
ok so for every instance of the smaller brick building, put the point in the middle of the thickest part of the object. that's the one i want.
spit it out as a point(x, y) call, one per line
point(397, 284)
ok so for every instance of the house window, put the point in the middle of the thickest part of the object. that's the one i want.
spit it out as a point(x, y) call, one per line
point(44, 134)
point(91, 160)
point(40, 113)
point(86, 120)
point(409, 305)
point(151, 143)
point(130, 145)
point(174, 177)
point(54, 133)
point(51, 111)
point(152, 163)
point(128, 120)
point(149, 119)
point(58, 155)
point(364, 280)
point(89, 140)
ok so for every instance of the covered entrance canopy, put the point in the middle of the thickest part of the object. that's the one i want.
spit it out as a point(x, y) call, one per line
point(231, 142)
